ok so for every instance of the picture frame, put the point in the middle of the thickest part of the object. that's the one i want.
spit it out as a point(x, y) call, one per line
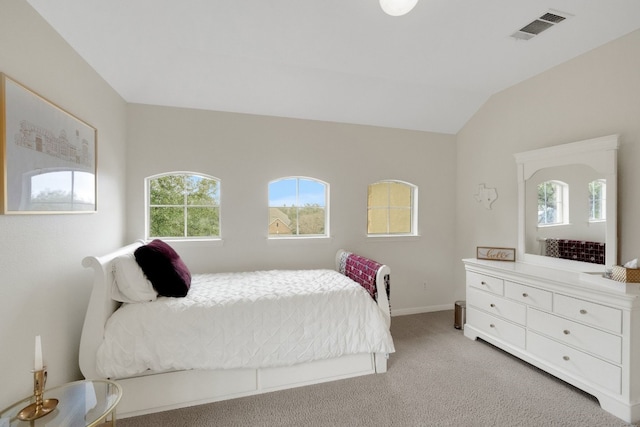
point(496, 254)
point(47, 155)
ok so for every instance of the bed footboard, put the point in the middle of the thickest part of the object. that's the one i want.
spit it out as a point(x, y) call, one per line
point(371, 275)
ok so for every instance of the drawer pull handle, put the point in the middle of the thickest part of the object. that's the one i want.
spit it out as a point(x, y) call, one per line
point(483, 283)
point(492, 325)
point(566, 332)
point(565, 357)
point(583, 311)
point(525, 294)
point(492, 305)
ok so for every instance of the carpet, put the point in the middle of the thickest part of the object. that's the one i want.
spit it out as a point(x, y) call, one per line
point(437, 377)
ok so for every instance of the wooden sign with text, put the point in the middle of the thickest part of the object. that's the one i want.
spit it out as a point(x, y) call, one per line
point(496, 254)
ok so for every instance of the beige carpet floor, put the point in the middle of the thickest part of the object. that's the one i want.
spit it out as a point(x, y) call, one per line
point(437, 377)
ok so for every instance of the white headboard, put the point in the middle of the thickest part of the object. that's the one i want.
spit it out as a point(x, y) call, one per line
point(100, 307)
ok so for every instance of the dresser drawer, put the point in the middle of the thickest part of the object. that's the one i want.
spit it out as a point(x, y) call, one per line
point(529, 295)
point(584, 337)
point(588, 368)
point(497, 305)
point(488, 283)
point(497, 327)
point(598, 315)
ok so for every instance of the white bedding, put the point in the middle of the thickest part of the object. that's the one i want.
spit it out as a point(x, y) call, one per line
point(245, 320)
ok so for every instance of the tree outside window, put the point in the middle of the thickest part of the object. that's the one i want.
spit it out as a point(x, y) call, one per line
point(183, 205)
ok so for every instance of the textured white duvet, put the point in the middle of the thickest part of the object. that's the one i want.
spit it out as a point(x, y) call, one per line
point(252, 319)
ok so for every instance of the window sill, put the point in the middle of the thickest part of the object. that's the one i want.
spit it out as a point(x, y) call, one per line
point(191, 242)
point(392, 238)
point(298, 240)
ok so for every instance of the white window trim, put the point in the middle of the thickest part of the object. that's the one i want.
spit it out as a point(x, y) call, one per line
point(327, 225)
point(603, 201)
point(564, 204)
point(147, 207)
point(414, 212)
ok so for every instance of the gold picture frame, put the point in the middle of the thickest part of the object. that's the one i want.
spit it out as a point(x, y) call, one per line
point(496, 254)
point(48, 156)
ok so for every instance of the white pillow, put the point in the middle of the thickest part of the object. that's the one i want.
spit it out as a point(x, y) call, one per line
point(130, 284)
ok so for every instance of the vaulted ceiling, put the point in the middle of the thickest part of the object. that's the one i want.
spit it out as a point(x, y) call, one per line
point(333, 60)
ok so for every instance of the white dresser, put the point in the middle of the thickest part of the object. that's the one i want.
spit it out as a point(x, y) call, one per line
point(585, 332)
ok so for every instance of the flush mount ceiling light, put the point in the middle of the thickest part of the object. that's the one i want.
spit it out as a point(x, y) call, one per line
point(397, 7)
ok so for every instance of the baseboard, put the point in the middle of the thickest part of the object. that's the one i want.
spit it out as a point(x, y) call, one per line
point(418, 310)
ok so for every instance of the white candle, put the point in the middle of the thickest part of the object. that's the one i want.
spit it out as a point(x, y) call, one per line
point(38, 366)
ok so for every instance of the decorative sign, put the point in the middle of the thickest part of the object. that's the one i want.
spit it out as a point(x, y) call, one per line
point(496, 254)
point(486, 196)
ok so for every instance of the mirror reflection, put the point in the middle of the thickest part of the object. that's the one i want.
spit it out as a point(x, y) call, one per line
point(567, 207)
point(566, 213)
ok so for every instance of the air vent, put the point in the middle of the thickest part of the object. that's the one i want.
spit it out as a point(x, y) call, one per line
point(552, 17)
point(539, 25)
point(536, 27)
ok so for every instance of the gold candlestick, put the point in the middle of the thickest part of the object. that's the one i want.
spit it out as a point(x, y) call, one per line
point(40, 407)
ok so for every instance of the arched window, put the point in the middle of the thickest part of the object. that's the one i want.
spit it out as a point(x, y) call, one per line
point(298, 207)
point(392, 208)
point(598, 200)
point(183, 205)
point(553, 206)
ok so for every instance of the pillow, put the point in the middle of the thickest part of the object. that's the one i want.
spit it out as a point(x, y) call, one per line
point(130, 284)
point(165, 269)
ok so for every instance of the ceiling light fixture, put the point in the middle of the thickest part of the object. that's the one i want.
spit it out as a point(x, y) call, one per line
point(397, 7)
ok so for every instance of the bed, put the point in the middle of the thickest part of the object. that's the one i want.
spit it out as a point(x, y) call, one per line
point(157, 385)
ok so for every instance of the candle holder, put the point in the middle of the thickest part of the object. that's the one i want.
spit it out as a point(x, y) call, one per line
point(40, 407)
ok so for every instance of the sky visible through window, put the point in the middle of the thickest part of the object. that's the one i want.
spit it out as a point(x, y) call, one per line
point(283, 193)
point(81, 183)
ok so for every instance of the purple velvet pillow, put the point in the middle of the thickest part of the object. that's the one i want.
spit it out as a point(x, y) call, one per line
point(164, 268)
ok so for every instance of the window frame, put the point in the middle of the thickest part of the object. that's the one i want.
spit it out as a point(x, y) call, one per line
point(296, 236)
point(562, 203)
point(602, 199)
point(413, 209)
point(184, 237)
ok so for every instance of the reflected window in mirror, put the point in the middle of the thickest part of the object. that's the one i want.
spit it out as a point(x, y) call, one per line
point(61, 190)
point(553, 206)
point(598, 200)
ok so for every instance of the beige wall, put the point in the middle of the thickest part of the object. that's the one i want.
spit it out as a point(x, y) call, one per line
point(594, 95)
point(43, 287)
point(246, 152)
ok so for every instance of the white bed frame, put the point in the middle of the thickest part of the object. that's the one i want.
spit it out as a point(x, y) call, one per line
point(156, 392)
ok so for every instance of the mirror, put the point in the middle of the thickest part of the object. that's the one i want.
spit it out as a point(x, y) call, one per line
point(575, 234)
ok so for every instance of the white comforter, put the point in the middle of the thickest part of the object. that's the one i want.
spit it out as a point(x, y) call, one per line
point(253, 319)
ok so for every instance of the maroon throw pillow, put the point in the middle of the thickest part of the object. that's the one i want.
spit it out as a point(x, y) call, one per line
point(164, 268)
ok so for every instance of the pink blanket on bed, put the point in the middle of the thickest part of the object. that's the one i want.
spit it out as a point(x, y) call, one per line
point(363, 271)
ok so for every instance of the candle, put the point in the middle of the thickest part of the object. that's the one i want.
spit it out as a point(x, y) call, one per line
point(38, 366)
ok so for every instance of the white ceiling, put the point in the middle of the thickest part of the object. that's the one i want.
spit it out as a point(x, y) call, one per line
point(333, 60)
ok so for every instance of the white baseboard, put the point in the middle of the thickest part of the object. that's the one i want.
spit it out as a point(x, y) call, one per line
point(417, 310)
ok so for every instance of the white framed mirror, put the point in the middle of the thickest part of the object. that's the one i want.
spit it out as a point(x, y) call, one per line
point(567, 205)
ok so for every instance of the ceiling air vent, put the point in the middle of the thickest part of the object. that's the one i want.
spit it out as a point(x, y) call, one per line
point(538, 25)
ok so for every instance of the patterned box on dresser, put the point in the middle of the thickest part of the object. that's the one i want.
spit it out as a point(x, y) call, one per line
point(623, 274)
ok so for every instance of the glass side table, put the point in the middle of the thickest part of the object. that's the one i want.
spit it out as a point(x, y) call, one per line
point(85, 403)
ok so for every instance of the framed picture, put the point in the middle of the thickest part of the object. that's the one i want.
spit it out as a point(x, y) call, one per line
point(48, 156)
point(496, 254)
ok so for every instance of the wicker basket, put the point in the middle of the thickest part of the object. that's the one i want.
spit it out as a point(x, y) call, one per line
point(623, 274)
